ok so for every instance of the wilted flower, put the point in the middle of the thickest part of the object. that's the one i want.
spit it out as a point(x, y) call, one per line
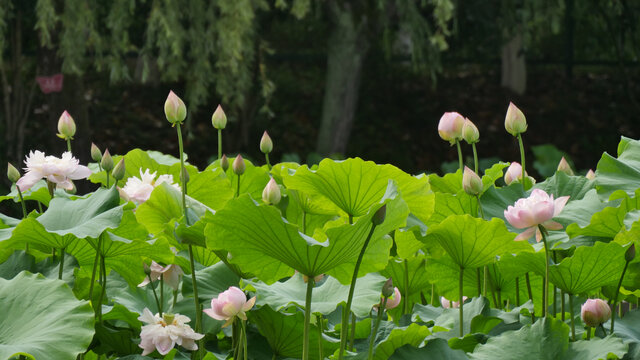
point(219, 118)
point(170, 274)
point(66, 126)
point(538, 209)
point(595, 312)
point(229, 304)
point(471, 182)
point(174, 109)
point(450, 126)
point(266, 145)
point(470, 132)
point(515, 122)
point(451, 304)
point(514, 173)
point(56, 170)
point(564, 167)
point(163, 333)
point(139, 190)
point(590, 175)
point(271, 194)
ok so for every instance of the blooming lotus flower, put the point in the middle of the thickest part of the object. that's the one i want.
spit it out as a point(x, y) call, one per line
point(595, 312)
point(538, 209)
point(514, 173)
point(451, 304)
point(229, 304)
point(56, 170)
point(163, 333)
point(139, 190)
point(170, 274)
point(450, 126)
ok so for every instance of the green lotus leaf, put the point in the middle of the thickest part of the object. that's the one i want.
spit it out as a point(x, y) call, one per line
point(628, 330)
point(449, 183)
point(326, 297)
point(609, 221)
point(622, 173)
point(212, 281)
point(449, 318)
point(407, 243)
point(435, 349)
point(41, 319)
point(452, 204)
point(561, 184)
point(211, 187)
point(444, 273)
point(410, 276)
point(547, 157)
point(391, 337)
point(493, 174)
point(495, 201)
point(252, 182)
point(597, 349)
point(38, 192)
point(589, 268)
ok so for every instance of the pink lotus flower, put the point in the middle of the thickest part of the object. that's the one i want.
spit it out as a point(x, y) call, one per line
point(139, 190)
point(170, 274)
point(595, 312)
point(514, 173)
point(56, 170)
point(394, 300)
point(538, 209)
point(163, 333)
point(450, 126)
point(451, 304)
point(229, 304)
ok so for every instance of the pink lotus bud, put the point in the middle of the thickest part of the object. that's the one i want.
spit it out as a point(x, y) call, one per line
point(595, 312)
point(107, 161)
point(66, 126)
point(515, 121)
point(96, 155)
point(219, 118)
point(471, 182)
point(450, 126)
point(470, 132)
point(378, 217)
point(238, 165)
point(224, 163)
point(590, 175)
point(394, 300)
point(12, 173)
point(271, 193)
point(174, 109)
point(514, 173)
point(266, 145)
point(230, 304)
point(118, 170)
point(451, 304)
point(564, 167)
point(630, 254)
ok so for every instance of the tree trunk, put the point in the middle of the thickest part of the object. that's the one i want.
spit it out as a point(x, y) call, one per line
point(348, 45)
point(514, 67)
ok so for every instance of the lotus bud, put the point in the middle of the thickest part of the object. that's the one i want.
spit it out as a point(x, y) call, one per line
point(266, 145)
point(387, 288)
point(590, 175)
point(66, 126)
point(394, 300)
point(174, 109)
point(107, 161)
point(12, 173)
point(471, 182)
point(595, 312)
point(470, 132)
point(630, 254)
point(96, 154)
point(515, 122)
point(224, 163)
point(271, 193)
point(564, 167)
point(219, 118)
point(514, 173)
point(238, 165)
point(118, 170)
point(378, 217)
point(450, 126)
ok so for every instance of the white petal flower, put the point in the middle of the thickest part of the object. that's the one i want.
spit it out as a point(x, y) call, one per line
point(56, 170)
point(170, 274)
point(163, 333)
point(139, 189)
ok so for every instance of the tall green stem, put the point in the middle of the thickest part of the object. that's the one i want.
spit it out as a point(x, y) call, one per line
point(24, 207)
point(460, 162)
point(196, 300)
point(588, 332)
point(573, 327)
point(522, 162)
point(183, 178)
point(475, 158)
point(307, 319)
point(266, 157)
point(545, 289)
point(103, 273)
point(484, 281)
point(479, 280)
point(219, 144)
point(461, 302)
point(347, 310)
point(517, 291)
point(95, 265)
point(320, 326)
point(405, 305)
point(381, 308)
point(68, 145)
point(615, 297)
point(61, 264)
point(155, 296)
point(562, 304)
point(530, 293)
point(244, 339)
point(480, 211)
point(238, 188)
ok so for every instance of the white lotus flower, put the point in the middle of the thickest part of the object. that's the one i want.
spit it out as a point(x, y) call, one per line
point(139, 190)
point(163, 333)
point(56, 170)
point(170, 274)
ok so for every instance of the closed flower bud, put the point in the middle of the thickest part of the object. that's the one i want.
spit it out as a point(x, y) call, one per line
point(387, 288)
point(564, 167)
point(219, 118)
point(470, 132)
point(271, 193)
point(224, 163)
point(514, 173)
point(174, 109)
point(119, 170)
point(630, 254)
point(66, 126)
point(266, 145)
point(590, 175)
point(238, 165)
point(595, 312)
point(12, 173)
point(107, 161)
point(96, 154)
point(471, 182)
point(515, 122)
point(378, 217)
point(394, 300)
point(450, 126)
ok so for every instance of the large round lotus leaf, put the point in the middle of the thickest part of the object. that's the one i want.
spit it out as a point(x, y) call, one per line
point(41, 319)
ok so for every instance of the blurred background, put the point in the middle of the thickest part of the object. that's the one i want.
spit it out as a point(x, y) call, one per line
point(338, 78)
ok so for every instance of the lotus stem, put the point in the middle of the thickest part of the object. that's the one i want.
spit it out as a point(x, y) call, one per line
point(475, 158)
point(461, 301)
point(352, 335)
point(153, 288)
point(615, 296)
point(517, 291)
point(381, 308)
point(545, 289)
point(484, 281)
point(562, 304)
point(460, 162)
point(95, 265)
point(320, 326)
point(61, 264)
point(219, 144)
point(522, 162)
point(68, 144)
point(266, 157)
point(479, 281)
point(307, 318)
point(405, 305)
point(573, 327)
point(238, 188)
point(588, 332)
